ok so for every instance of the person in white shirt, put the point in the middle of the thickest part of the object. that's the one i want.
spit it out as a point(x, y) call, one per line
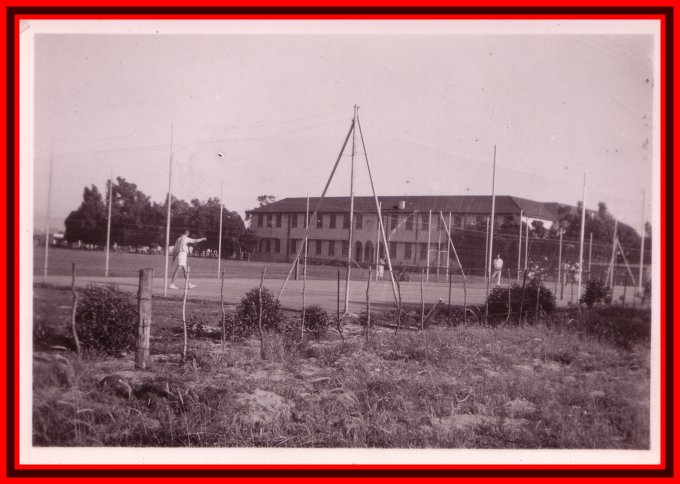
point(497, 269)
point(180, 252)
point(381, 268)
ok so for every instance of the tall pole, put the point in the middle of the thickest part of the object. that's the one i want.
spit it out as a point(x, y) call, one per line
point(306, 253)
point(519, 246)
point(377, 240)
point(167, 224)
point(318, 204)
point(448, 257)
point(559, 263)
point(108, 224)
point(612, 261)
point(351, 215)
point(486, 250)
point(583, 231)
point(590, 255)
point(397, 298)
point(304, 268)
point(493, 214)
point(642, 245)
point(427, 262)
point(526, 248)
point(439, 250)
point(219, 237)
point(47, 215)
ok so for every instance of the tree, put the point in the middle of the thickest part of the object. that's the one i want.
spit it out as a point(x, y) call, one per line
point(265, 199)
point(538, 229)
point(131, 215)
point(88, 223)
point(248, 241)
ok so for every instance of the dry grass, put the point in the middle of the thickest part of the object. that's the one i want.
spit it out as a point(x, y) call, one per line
point(459, 387)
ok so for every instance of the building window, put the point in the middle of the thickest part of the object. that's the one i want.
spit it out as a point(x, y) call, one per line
point(409, 222)
point(268, 246)
point(424, 221)
point(293, 220)
point(293, 245)
point(407, 251)
point(345, 220)
point(423, 251)
point(261, 246)
point(319, 221)
point(393, 250)
point(260, 219)
point(278, 220)
point(345, 247)
point(457, 221)
point(318, 247)
point(359, 221)
point(277, 245)
point(269, 220)
point(331, 247)
point(332, 222)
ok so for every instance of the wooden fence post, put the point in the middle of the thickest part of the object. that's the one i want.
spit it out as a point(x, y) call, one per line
point(538, 296)
point(368, 303)
point(75, 307)
point(263, 353)
point(422, 303)
point(224, 329)
point(184, 315)
point(398, 307)
point(507, 319)
point(144, 323)
point(337, 320)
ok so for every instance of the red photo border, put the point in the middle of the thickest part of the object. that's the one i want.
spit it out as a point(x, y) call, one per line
point(349, 9)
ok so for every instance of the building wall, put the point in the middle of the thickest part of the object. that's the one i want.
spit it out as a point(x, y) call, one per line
point(406, 232)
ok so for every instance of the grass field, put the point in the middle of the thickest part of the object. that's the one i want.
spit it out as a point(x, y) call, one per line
point(322, 287)
point(510, 387)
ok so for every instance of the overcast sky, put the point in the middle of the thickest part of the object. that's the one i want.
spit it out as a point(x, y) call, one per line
point(278, 106)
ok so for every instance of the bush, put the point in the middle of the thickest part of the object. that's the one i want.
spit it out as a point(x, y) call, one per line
point(106, 321)
point(498, 300)
point(316, 320)
point(623, 327)
point(595, 293)
point(247, 312)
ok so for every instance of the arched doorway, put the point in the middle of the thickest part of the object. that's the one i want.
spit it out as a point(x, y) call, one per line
point(368, 252)
point(358, 251)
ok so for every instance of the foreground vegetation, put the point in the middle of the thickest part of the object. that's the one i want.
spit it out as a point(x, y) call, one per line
point(563, 383)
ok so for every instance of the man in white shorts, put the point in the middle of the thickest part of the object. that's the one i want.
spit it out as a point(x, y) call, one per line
point(180, 252)
point(498, 269)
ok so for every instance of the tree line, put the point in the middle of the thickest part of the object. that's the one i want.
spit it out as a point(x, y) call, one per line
point(138, 221)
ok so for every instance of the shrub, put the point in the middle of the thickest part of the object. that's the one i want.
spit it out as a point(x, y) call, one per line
point(316, 320)
point(596, 292)
point(247, 311)
point(106, 320)
point(623, 327)
point(498, 300)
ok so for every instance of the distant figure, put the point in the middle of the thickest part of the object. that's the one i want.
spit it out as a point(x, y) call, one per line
point(497, 269)
point(180, 252)
point(381, 268)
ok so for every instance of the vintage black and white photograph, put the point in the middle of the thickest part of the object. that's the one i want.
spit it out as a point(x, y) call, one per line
point(340, 241)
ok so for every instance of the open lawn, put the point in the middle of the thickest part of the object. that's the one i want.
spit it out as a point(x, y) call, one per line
point(321, 289)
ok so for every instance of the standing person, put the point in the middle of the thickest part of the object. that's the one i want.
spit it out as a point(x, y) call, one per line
point(180, 251)
point(497, 269)
point(381, 268)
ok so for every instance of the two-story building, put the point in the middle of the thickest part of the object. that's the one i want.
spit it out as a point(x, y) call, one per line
point(414, 228)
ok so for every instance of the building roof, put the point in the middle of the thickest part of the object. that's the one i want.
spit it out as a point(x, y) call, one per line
point(505, 204)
